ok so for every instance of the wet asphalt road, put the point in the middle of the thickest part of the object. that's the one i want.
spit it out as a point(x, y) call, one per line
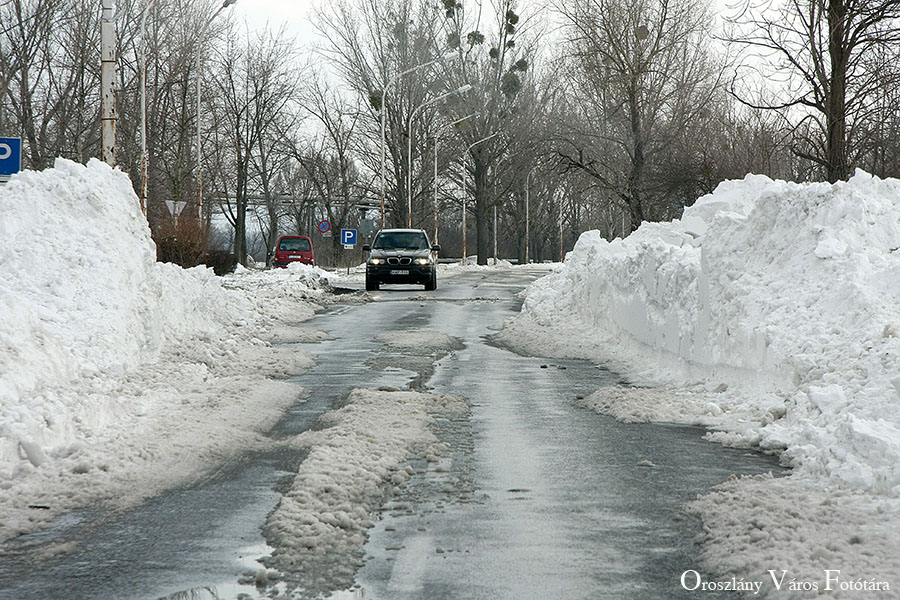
point(539, 499)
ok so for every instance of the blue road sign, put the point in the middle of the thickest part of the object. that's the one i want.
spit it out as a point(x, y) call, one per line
point(10, 155)
point(348, 237)
point(324, 226)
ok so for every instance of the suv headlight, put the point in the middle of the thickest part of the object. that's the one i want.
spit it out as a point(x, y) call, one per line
point(376, 261)
point(422, 261)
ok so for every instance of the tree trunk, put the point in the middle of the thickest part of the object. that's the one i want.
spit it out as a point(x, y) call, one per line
point(240, 224)
point(836, 101)
point(636, 176)
point(482, 212)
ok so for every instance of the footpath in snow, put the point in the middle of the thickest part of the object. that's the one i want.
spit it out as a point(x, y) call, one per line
point(769, 313)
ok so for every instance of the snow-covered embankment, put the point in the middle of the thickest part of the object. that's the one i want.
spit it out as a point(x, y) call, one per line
point(118, 374)
point(771, 312)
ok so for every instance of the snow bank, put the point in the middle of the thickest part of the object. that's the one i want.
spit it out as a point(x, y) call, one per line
point(82, 291)
point(788, 292)
point(118, 372)
point(320, 524)
point(791, 526)
point(770, 313)
point(472, 264)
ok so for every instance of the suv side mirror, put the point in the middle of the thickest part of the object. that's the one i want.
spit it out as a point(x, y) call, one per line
point(436, 248)
point(367, 248)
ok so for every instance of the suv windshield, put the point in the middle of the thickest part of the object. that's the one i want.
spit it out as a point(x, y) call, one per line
point(294, 245)
point(406, 240)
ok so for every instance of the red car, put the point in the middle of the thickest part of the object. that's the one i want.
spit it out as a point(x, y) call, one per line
point(293, 248)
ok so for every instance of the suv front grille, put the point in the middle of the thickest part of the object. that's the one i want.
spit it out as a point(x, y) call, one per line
point(394, 260)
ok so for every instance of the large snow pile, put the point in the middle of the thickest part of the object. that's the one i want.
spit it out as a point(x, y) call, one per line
point(790, 293)
point(119, 374)
point(82, 291)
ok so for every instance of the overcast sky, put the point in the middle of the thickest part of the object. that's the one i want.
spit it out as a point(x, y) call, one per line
point(294, 14)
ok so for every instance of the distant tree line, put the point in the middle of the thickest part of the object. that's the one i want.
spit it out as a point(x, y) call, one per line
point(582, 114)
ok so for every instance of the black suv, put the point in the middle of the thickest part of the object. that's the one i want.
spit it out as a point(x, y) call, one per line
point(401, 256)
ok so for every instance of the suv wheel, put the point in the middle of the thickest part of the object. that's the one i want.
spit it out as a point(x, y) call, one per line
point(372, 284)
point(431, 284)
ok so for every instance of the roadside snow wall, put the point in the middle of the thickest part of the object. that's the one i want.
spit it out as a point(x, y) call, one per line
point(81, 293)
point(768, 284)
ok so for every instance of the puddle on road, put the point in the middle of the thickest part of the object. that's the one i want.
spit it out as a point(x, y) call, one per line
point(394, 377)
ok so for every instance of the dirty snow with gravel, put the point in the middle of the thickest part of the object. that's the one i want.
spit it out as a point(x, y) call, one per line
point(770, 314)
point(319, 527)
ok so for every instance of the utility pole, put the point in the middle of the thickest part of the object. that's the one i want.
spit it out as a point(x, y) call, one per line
point(107, 91)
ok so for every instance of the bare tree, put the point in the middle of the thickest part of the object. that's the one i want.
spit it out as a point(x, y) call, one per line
point(642, 75)
point(371, 43)
point(256, 83)
point(495, 61)
point(48, 77)
point(328, 157)
point(836, 56)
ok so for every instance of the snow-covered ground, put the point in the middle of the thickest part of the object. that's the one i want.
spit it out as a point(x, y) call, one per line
point(120, 376)
point(770, 313)
point(357, 274)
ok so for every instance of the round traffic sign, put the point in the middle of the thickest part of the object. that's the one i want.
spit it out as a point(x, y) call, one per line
point(324, 226)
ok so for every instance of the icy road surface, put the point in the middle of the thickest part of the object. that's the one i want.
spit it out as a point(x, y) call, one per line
point(535, 498)
point(540, 499)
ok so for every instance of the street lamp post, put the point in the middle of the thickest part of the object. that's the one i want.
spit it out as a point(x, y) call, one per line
point(225, 5)
point(463, 179)
point(437, 140)
point(144, 158)
point(389, 83)
point(412, 118)
point(495, 234)
point(107, 84)
point(527, 219)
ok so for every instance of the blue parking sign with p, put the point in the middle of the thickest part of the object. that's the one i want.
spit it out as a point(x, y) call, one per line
point(10, 155)
point(348, 237)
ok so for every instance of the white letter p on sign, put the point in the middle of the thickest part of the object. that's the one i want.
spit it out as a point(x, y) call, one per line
point(5, 151)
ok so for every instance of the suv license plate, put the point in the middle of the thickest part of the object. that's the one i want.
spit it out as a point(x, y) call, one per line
point(399, 272)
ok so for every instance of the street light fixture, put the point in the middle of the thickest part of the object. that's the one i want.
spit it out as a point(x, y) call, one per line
point(389, 83)
point(437, 140)
point(225, 5)
point(412, 117)
point(463, 179)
